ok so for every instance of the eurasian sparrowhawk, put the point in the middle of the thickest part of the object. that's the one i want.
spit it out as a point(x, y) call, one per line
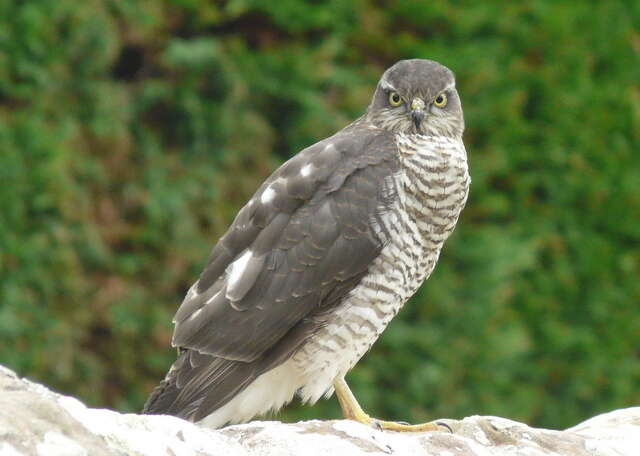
point(323, 256)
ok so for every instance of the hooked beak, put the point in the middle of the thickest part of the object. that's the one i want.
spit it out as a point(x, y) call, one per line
point(417, 112)
point(417, 115)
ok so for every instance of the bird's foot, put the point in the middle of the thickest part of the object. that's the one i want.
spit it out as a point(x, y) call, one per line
point(352, 411)
point(406, 427)
point(397, 426)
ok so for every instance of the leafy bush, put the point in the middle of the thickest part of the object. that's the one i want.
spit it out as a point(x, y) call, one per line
point(131, 132)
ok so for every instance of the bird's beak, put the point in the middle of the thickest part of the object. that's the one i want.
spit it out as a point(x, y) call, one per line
point(417, 112)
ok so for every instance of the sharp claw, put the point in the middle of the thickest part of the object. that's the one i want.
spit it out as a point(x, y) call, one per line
point(445, 425)
point(376, 424)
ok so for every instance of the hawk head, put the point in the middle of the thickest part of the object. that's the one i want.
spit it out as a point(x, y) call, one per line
point(417, 97)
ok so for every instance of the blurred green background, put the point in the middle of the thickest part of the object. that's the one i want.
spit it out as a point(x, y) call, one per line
point(131, 131)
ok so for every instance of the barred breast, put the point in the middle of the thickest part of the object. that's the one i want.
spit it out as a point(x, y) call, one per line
point(432, 188)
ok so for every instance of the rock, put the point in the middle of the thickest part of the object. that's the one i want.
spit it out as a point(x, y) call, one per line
point(37, 421)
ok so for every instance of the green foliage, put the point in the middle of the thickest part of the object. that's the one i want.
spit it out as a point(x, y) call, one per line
point(131, 132)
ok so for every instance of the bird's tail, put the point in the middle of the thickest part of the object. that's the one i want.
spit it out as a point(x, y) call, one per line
point(198, 384)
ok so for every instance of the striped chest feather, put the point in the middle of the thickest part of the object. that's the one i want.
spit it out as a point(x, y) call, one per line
point(430, 191)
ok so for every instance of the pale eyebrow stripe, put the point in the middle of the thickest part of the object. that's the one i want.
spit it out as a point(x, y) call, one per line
point(449, 87)
point(386, 85)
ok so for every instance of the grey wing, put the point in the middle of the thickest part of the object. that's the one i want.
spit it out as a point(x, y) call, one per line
point(294, 251)
point(308, 230)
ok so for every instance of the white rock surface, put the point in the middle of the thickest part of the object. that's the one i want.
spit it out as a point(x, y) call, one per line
point(36, 421)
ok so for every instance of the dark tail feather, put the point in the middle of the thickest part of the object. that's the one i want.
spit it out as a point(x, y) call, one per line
point(161, 398)
point(199, 384)
point(164, 395)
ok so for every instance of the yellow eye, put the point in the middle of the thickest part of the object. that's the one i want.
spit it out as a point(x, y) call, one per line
point(395, 99)
point(440, 101)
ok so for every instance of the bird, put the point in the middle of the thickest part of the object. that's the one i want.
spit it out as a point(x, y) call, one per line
point(321, 258)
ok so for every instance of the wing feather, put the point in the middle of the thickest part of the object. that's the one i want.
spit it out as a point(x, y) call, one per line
point(307, 234)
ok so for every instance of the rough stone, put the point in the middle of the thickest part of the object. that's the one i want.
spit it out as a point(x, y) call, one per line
point(37, 421)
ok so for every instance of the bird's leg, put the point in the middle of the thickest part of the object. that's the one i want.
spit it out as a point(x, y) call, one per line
point(352, 411)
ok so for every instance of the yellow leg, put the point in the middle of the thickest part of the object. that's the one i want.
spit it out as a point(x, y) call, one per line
point(352, 411)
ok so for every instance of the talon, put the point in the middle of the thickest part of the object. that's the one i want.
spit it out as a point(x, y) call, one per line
point(352, 411)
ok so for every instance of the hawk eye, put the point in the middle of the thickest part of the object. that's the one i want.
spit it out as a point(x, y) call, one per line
point(395, 99)
point(440, 101)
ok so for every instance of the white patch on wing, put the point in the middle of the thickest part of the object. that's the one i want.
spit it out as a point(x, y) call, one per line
point(267, 195)
point(193, 291)
point(194, 315)
point(238, 267)
point(306, 170)
point(210, 300)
